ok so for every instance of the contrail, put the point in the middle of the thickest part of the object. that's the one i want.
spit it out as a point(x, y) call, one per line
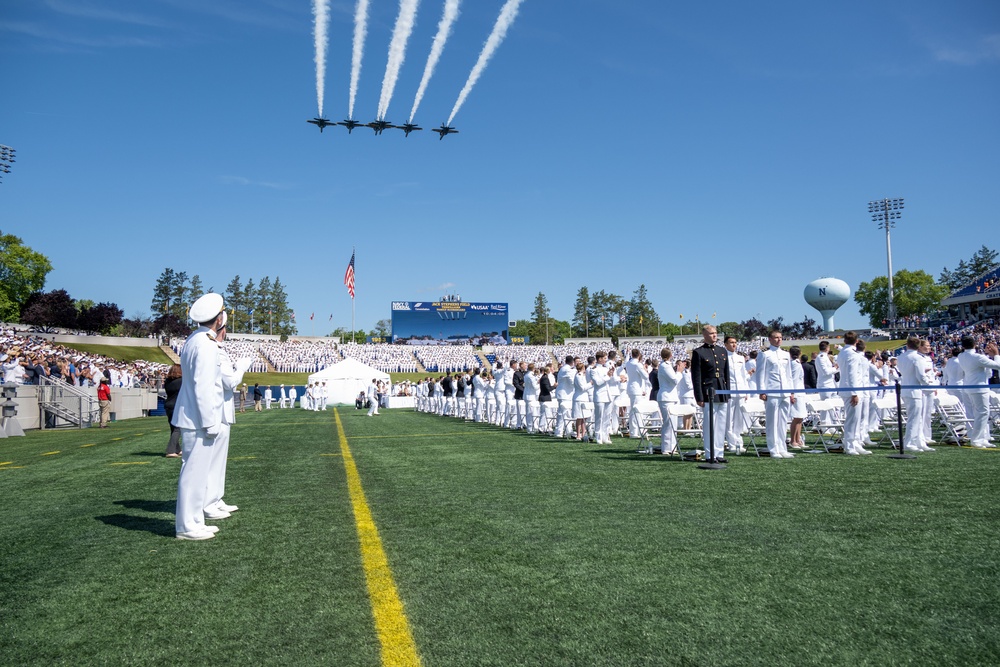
point(321, 10)
point(444, 30)
point(397, 52)
point(507, 15)
point(360, 31)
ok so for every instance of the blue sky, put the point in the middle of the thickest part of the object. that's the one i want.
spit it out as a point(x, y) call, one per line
point(723, 153)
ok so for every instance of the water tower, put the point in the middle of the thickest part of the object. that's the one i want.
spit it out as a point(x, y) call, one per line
point(827, 295)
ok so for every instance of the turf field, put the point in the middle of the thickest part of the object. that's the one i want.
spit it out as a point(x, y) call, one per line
point(501, 549)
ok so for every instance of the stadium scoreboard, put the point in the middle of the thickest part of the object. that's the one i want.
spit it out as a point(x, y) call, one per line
point(449, 323)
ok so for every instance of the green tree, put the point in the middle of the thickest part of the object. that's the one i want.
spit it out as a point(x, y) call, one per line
point(915, 293)
point(195, 291)
point(50, 309)
point(281, 314)
point(981, 261)
point(235, 303)
point(382, 328)
point(22, 272)
point(581, 315)
point(541, 312)
point(641, 314)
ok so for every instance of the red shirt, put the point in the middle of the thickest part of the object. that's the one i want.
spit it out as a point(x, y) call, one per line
point(104, 392)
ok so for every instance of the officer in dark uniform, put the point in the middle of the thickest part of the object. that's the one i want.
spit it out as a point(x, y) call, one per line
point(709, 373)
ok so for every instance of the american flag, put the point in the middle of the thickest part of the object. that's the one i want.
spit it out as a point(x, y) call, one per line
point(349, 277)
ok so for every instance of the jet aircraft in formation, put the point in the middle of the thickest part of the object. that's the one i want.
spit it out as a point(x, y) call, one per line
point(443, 130)
point(407, 128)
point(380, 126)
point(320, 123)
point(350, 124)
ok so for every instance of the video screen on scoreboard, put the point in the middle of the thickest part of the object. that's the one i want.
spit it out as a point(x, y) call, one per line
point(449, 323)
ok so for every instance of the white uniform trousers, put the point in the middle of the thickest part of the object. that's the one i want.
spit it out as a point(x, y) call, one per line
point(853, 438)
point(192, 484)
point(601, 422)
point(668, 431)
point(217, 467)
point(913, 440)
point(735, 423)
point(633, 414)
point(776, 418)
point(980, 434)
point(500, 411)
point(510, 413)
point(564, 418)
point(926, 434)
point(719, 421)
point(532, 410)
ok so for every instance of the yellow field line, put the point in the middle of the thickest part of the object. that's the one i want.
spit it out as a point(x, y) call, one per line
point(398, 647)
point(50, 453)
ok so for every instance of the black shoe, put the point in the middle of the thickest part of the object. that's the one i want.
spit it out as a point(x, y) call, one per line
point(719, 459)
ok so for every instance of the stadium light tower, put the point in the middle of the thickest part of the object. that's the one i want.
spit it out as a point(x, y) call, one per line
point(885, 213)
point(6, 159)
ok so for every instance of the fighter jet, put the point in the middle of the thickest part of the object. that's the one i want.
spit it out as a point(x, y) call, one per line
point(379, 125)
point(443, 130)
point(320, 123)
point(408, 127)
point(350, 125)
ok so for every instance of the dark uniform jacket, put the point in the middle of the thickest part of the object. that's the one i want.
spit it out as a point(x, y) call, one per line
point(518, 384)
point(709, 368)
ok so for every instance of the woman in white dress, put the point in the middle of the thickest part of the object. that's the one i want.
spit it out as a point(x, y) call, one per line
point(797, 410)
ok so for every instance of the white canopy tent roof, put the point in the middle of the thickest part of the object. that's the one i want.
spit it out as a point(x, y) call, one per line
point(346, 379)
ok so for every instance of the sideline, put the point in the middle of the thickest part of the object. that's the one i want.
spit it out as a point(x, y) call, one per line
point(393, 630)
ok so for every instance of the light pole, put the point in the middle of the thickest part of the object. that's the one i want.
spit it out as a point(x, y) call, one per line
point(6, 159)
point(885, 213)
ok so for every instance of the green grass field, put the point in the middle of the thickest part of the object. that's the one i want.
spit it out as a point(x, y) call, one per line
point(505, 548)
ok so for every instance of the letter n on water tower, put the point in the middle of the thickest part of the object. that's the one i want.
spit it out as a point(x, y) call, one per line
point(822, 291)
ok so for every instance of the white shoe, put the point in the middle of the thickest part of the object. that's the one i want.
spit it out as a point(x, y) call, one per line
point(977, 445)
point(212, 529)
point(851, 452)
point(226, 508)
point(213, 513)
point(787, 455)
point(925, 448)
point(196, 535)
point(862, 451)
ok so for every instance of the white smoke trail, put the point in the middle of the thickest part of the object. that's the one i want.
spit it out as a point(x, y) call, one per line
point(321, 10)
point(397, 52)
point(507, 15)
point(444, 30)
point(360, 32)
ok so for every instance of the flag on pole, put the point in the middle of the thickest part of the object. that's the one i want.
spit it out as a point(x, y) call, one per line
point(349, 277)
point(313, 316)
point(293, 316)
point(331, 317)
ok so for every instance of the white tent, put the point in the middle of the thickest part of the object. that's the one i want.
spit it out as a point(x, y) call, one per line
point(346, 379)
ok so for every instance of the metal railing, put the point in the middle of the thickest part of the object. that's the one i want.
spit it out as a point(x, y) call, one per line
point(66, 402)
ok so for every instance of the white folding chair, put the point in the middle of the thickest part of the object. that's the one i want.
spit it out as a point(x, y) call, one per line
point(650, 424)
point(951, 415)
point(754, 410)
point(888, 424)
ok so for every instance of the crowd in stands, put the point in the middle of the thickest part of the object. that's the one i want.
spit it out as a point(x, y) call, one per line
point(298, 356)
point(988, 282)
point(25, 359)
point(942, 344)
point(443, 358)
point(381, 356)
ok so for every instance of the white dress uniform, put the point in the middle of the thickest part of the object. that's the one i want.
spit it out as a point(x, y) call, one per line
point(564, 396)
point(977, 369)
point(510, 416)
point(232, 376)
point(531, 404)
point(479, 394)
point(736, 418)
point(500, 396)
point(283, 397)
point(851, 376)
point(372, 396)
point(637, 389)
point(582, 395)
point(772, 373)
point(600, 381)
point(292, 395)
point(911, 371)
point(199, 414)
point(667, 396)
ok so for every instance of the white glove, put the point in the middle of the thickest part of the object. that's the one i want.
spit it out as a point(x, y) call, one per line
point(212, 431)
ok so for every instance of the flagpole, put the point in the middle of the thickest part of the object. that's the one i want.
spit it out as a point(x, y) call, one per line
point(352, 319)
